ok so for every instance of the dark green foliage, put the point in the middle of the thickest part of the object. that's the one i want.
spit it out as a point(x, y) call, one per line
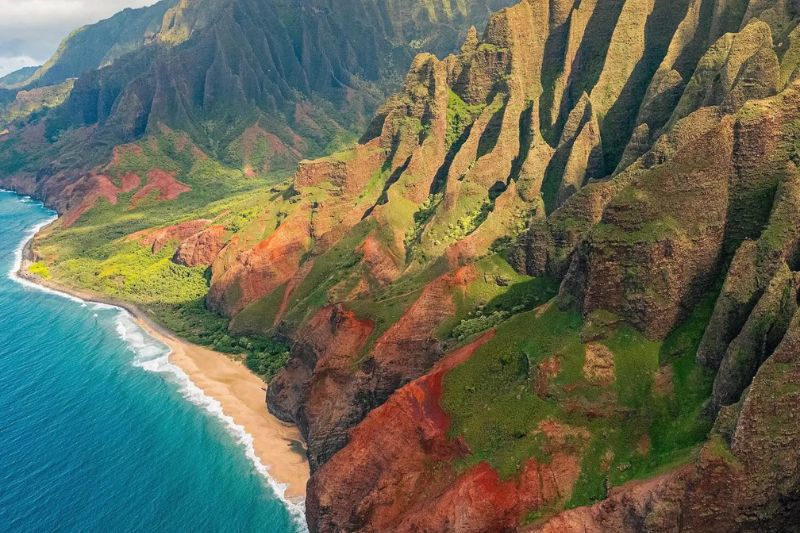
point(459, 116)
point(194, 322)
point(292, 74)
point(269, 362)
point(648, 419)
point(524, 296)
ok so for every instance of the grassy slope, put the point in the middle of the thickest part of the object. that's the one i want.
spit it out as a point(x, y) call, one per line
point(634, 428)
point(97, 252)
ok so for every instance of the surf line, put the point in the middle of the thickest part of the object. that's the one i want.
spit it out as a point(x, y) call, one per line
point(149, 359)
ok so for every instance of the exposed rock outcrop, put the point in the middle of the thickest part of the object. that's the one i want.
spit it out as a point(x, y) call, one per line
point(752, 485)
point(201, 248)
point(641, 155)
point(639, 212)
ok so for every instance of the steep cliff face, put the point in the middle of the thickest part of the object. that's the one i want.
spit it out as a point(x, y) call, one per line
point(96, 45)
point(727, 169)
point(635, 161)
point(258, 85)
point(650, 146)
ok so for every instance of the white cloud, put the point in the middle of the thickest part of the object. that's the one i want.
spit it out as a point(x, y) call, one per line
point(10, 64)
point(30, 30)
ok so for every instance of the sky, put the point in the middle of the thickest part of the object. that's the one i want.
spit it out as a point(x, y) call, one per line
point(31, 30)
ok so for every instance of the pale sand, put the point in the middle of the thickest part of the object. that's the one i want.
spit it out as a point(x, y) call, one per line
point(241, 393)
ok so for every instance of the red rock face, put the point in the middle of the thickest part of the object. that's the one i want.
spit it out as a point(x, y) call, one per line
point(74, 197)
point(396, 473)
point(295, 282)
point(165, 183)
point(341, 493)
point(410, 348)
point(382, 267)
point(88, 190)
point(129, 182)
point(697, 497)
point(201, 249)
point(328, 387)
point(329, 341)
point(158, 239)
point(242, 277)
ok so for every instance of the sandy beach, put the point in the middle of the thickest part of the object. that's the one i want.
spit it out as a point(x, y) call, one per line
point(241, 393)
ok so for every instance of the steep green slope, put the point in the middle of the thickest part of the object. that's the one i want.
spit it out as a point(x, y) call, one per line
point(99, 44)
point(559, 260)
point(296, 103)
point(265, 85)
point(18, 76)
point(261, 60)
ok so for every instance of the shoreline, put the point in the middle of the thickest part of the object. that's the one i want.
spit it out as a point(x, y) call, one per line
point(240, 393)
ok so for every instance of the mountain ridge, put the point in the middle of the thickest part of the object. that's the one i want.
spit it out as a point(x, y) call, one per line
point(559, 261)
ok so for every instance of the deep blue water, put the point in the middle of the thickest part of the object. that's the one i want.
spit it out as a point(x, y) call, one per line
point(98, 432)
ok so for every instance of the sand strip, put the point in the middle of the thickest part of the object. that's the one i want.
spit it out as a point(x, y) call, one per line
point(241, 393)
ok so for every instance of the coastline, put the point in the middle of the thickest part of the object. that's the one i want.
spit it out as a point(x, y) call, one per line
point(239, 393)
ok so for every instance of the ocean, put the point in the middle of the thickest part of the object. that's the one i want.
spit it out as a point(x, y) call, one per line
point(98, 432)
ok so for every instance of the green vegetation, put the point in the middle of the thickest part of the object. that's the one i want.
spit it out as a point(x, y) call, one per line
point(101, 253)
point(497, 293)
point(135, 273)
point(491, 398)
point(215, 190)
point(40, 269)
point(647, 418)
point(421, 219)
point(258, 317)
point(328, 270)
point(459, 116)
point(194, 322)
point(470, 327)
point(174, 295)
point(34, 101)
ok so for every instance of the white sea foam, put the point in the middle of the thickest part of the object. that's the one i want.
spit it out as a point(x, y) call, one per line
point(14, 273)
point(153, 356)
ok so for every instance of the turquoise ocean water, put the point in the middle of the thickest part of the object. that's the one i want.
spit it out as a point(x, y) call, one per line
point(99, 433)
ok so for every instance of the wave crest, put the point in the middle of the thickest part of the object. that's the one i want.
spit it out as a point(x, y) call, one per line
point(152, 355)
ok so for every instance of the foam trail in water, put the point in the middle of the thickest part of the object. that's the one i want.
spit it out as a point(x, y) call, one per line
point(153, 356)
point(15, 268)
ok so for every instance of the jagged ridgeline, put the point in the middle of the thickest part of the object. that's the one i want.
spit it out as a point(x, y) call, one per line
point(552, 98)
point(640, 154)
point(305, 74)
point(590, 211)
